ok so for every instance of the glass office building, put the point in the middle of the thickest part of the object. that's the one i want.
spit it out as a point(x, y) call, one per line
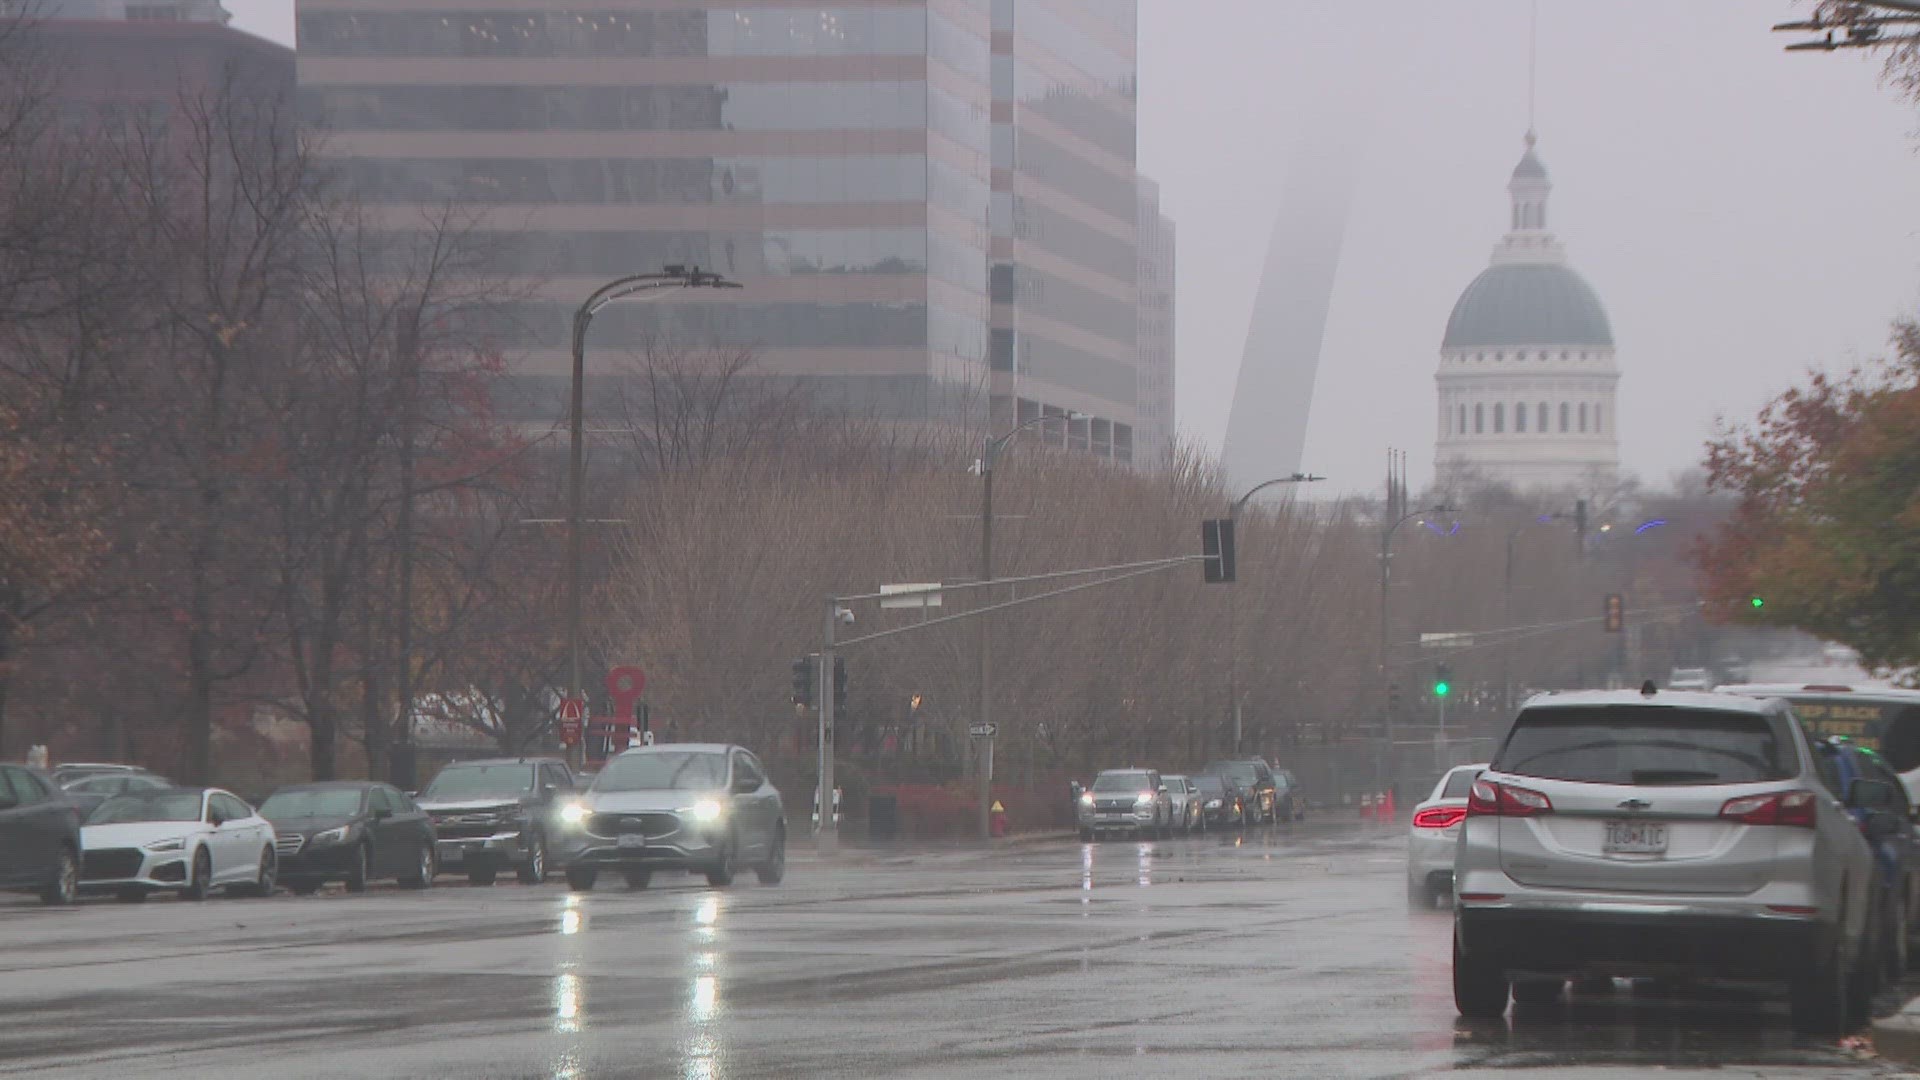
point(843, 162)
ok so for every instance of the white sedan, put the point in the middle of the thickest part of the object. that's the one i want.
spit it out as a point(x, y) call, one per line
point(1434, 835)
point(184, 840)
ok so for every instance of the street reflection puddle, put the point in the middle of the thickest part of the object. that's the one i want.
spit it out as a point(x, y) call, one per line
point(568, 999)
point(568, 1066)
point(701, 1050)
point(1146, 864)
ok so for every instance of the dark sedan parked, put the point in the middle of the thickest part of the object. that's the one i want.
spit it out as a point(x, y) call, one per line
point(39, 836)
point(353, 831)
point(1218, 800)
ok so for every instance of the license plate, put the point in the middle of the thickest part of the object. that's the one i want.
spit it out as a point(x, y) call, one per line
point(630, 840)
point(1635, 838)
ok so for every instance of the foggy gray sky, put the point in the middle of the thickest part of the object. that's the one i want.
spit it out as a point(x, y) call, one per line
point(1742, 212)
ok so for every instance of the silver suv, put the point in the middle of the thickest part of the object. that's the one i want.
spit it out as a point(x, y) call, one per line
point(1660, 833)
point(1126, 800)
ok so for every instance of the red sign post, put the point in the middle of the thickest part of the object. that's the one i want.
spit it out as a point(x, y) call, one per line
point(572, 714)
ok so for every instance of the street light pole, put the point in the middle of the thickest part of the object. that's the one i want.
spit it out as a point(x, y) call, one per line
point(989, 452)
point(1233, 634)
point(1386, 665)
point(657, 284)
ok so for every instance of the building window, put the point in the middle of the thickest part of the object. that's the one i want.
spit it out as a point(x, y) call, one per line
point(1499, 419)
point(1563, 354)
point(1583, 418)
point(1564, 412)
point(1462, 429)
point(1520, 419)
point(1479, 419)
point(1543, 418)
point(1500, 356)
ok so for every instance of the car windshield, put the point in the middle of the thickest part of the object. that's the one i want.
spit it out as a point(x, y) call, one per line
point(1209, 785)
point(311, 802)
point(1459, 783)
point(1120, 781)
point(699, 770)
point(147, 806)
point(1240, 771)
point(481, 781)
point(1645, 745)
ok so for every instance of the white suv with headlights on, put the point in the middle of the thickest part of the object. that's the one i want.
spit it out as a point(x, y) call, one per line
point(704, 808)
point(1660, 833)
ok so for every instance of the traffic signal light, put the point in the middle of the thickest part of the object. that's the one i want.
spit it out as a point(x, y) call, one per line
point(1757, 602)
point(803, 682)
point(1216, 545)
point(1393, 697)
point(1442, 680)
point(839, 685)
point(1616, 612)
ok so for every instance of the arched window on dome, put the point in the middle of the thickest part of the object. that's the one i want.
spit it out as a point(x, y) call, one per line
point(1583, 418)
point(1462, 429)
point(1520, 419)
point(1499, 419)
point(1479, 419)
point(1543, 418)
point(1565, 412)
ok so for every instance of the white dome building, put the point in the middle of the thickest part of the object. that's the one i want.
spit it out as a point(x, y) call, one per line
point(1527, 379)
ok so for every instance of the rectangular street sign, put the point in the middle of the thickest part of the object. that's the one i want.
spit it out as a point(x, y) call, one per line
point(917, 595)
point(983, 731)
point(1446, 641)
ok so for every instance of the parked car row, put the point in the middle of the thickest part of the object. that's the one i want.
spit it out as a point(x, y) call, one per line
point(1672, 834)
point(706, 809)
point(1146, 802)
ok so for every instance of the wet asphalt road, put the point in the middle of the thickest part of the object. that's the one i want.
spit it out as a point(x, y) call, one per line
point(1286, 953)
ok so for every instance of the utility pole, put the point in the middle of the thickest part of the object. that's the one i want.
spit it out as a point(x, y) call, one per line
point(1384, 767)
point(827, 833)
point(658, 285)
point(1233, 633)
point(989, 452)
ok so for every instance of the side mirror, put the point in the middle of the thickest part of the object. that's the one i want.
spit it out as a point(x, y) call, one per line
point(381, 813)
point(547, 792)
point(1867, 794)
point(1880, 825)
point(745, 785)
point(1163, 789)
point(413, 794)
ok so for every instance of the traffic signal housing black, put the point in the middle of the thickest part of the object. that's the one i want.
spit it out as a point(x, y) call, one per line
point(1442, 679)
point(1616, 613)
point(1393, 697)
point(803, 681)
point(1216, 545)
point(839, 685)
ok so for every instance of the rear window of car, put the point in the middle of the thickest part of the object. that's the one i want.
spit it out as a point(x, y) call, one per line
point(1645, 745)
point(1459, 783)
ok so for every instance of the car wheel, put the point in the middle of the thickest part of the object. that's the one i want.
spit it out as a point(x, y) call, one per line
point(774, 870)
point(1895, 946)
point(534, 870)
point(199, 876)
point(65, 886)
point(639, 879)
point(1537, 992)
point(421, 876)
point(581, 878)
point(482, 875)
point(720, 874)
point(357, 873)
point(1086, 835)
point(267, 877)
point(1819, 998)
point(1479, 988)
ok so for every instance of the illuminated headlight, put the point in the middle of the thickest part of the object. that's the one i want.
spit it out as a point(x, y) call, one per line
point(706, 811)
point(331, 836)
point(1145, 798)
point(573, 813)
point(178, 843)
point(1086, 798)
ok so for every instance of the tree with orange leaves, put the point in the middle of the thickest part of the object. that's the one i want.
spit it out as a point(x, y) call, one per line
point(1826, 535)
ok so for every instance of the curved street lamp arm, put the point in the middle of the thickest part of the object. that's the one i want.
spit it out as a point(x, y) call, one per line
point(1234, 508)
point(995, 445)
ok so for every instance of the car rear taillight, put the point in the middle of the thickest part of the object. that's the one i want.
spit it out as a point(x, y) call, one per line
point(1439, 817)
point(1504, 800)
point(1791, 808)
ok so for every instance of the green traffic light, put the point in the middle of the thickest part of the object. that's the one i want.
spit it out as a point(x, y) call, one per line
point(1758, 602)
point(1440, 689)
